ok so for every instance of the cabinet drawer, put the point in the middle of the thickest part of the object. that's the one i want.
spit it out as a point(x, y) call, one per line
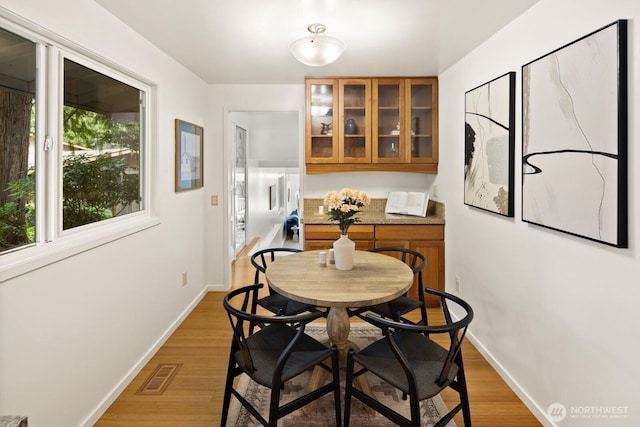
point(325, 245)
point(409, 232)
point(332, 232)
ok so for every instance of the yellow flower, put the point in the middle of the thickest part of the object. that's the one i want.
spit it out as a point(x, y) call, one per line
point(344, 205)
point(332, 200)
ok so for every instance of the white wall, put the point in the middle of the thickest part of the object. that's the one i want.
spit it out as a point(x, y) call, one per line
point(275, 137)
point(72, 332)
point(264, 223)
point(375, 184)
point(557, 314)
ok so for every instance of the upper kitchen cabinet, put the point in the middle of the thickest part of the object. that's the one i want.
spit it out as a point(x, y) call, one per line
point(388, 119)
point(321, 142)
point(371, 124)
point(354, 121)
point(422, 122)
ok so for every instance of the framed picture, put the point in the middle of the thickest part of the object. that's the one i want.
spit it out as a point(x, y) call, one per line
point(574, 138)
point(489, 145)
point(189, 159)
point(273, 197)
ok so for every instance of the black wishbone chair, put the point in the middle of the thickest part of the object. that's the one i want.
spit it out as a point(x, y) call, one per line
point(397, 308)
point(275, 302)
point(274, 354)
point(408, 358)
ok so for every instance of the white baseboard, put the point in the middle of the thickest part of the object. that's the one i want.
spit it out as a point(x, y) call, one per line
point(216, 288)
point(102, 407)
point(538, 412)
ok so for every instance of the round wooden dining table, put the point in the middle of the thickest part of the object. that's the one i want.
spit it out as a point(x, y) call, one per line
point(375, 278)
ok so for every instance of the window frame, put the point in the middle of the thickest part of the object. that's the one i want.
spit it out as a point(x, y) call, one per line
point(60, 56)
point(52, 243)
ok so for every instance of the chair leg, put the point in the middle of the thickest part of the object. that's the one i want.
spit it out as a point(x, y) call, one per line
point(464, 395)
point(414, 404)
point(347, 388)
point(335, 368)
point(274, 407)
point(227, 388)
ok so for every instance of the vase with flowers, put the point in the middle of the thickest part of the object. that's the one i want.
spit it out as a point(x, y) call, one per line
point(342, 208)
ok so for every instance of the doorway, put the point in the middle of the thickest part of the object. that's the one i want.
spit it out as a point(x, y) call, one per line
point(264, 179)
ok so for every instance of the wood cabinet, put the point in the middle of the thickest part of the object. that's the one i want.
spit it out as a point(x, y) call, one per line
point(426, 239)
point(354, 107)
point(371, 124)
point(321, 140)
point(388, 107)
point(317, 237)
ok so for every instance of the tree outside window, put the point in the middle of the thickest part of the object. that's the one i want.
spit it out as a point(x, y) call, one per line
point(17, 165)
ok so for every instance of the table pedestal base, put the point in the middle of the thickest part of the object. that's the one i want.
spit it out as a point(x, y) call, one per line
point(338, 325)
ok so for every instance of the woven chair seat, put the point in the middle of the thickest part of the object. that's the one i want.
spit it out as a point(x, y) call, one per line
point(395, 308)
point(424, 356)
point(266, 346)
point(283, 306)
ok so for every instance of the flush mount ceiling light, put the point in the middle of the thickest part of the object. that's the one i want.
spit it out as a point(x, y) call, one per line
point(317, 49)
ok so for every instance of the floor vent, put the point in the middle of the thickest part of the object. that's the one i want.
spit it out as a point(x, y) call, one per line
point(160, 379)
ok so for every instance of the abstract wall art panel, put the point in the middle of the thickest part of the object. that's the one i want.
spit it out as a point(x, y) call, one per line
point(574, 137)
point(489, 145)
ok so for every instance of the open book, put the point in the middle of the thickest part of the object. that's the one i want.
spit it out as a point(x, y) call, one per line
point(407, 203)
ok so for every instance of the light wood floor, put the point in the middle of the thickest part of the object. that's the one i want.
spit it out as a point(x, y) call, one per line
point(201, 344)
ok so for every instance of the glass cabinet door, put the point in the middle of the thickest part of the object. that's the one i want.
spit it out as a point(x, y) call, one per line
point(355, 131)
point(422, 120)
point(388, 101)
point(321, 134)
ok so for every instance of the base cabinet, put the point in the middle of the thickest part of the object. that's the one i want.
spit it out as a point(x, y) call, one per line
point(318, 237)
point(426, 239)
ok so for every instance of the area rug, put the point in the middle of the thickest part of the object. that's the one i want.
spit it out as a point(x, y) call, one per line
point(323, 415)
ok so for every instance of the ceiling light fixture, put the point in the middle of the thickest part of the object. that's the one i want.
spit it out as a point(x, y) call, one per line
point(317, 49)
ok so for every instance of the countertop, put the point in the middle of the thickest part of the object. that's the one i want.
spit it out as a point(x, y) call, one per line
point(374, 214)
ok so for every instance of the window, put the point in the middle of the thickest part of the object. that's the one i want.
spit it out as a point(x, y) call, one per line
point(101, 147)
point(73, 150)
point(17, 135)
